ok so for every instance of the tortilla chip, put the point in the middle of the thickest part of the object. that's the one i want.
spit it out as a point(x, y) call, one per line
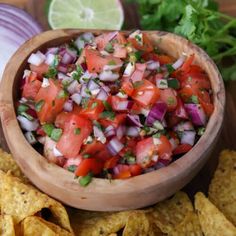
point(86, 223)
point(7, 163)
point(138, 224)
point(168, 214)
point(222, 190)
point(7, 226)
point(32, 225)
point(190, 226)
point(25, 201)
point(212, 221)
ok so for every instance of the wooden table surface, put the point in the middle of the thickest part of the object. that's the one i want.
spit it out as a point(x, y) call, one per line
point(227, 138)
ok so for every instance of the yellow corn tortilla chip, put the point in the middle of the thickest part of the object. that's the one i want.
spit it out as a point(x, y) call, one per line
point(190, 226)
point(171, 212)
point(7, 163)
point(212, 221)
point(39, 226)
point(7, 226)
point(20, 200)
point(222, 190)
point(138, 224)
point(87, 223)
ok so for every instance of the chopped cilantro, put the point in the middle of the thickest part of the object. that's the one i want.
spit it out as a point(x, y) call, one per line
point(22, 108)
point(77, 131)
point(107, 105)
point(52, 72)
point(94, 105)
point(85, 180)
point(48, 128)
point(84, 103)
point(194, 99)
point(138, 38)
point(39, 105)
point(173, 83)
point(108, 114)
point(72, 168)
point(201, 131)
point(56, 134)
point(87, 91)
point(109, 48)
point(170, 68)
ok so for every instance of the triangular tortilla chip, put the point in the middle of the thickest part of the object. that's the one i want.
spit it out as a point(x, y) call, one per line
point(212, 221)
point(25, 201)
point(7, 163)
point(222, 190)
point(7, 226)
point(171, 212)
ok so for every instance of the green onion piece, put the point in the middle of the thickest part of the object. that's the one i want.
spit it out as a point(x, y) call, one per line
point(108, 114)
point(85, 180)
point(107, 105)
point(56, 134)
point(201, 131)
point(48, 128)
point(22, 108)
point(27, 116)
point(62, 94)
point(39, 105)
point(173, 83)
point(194, 99)
point(109, 48)
point(72, 168)
point(77, 131)
point(86, 156)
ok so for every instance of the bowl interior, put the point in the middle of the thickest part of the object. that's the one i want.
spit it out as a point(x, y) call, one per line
point(101, 194)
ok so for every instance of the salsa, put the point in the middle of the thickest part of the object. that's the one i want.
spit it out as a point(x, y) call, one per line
point(113, 106)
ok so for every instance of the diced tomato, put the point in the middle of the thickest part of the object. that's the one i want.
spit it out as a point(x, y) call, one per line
point(135, 169)
point(76, 130)
point(172, 119)
point(164, 59)
point(146, 45)
point(186, 65)
point(205, 101)
point(164, 148)
point(136, 108)
point(118, 120)
point(40, 70)
point(96, 149)
point(89, 165)
point(182, 148)
point(51, 101)
point(93, 110)
point(123, 172)
point(119, 51)
point(146, 93)
point(31, 86)
point(187, 92)
point(168, 96)
point(198, 81)
point(138, 74)
point(180, 110)
point(127, 87)
point(121, 39)
point(111, 162)
point(95, 61)
point(116, 103)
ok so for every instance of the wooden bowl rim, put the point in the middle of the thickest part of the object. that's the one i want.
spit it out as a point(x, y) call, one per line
point(48, 173)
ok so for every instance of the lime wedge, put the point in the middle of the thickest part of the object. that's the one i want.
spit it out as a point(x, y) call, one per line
point(86, 14)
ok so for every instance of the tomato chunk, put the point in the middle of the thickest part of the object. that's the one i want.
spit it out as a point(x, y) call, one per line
point(168, 96)
point(40, 70)
point(93, 109)
point(76, 130)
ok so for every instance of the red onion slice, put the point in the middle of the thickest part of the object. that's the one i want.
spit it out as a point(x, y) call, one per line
point(132, 131)
point(196, 114)
point(134, 120)
point(114, 146)
point(36, 58)
point(157, 112)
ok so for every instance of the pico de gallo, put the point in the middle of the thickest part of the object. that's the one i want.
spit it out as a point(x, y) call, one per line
point(113, 105)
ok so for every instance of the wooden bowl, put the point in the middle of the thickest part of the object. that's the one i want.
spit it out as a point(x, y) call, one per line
point(101, 194)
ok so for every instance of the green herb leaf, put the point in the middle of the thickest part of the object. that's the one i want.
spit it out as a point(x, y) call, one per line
point(94, 105)
point(52, 72)
point(86, 156)
point(109, 48)
point(108, 114)
point(77, 131)
point(85, 180)
point(39, 105)
point(72, 168)
point(170, 68)
point(22, 108)
point(194, 99)
point(173, 83)
point(62, 94)
point(107, 105)
point(48, 128)
point(56, 134)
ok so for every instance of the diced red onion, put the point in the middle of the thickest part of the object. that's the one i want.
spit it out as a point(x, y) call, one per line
point(134, 120)
point(64, 78)
point(92, 85)
point(95, 92)
point(62, 68)
point(114, 146)
point(76, 97)
point(67, 59)
point(27, 124)
point(36, 59)
point(132, 131)
point(173, 144)
point(112, 67)
point(30, 137)
point(124, 105)
point(122, 95)
point(153, 65)
point(99, 135)
point(130, 68)
point(72, 88)
point(120, 132)
point(106, 88)
point(157, 112)
point(108, 76)
point(179, 62)
point(183, 126)
point(188, 137)
point(68, 105)
point(80, 43)
point(102, 95)
point(50, 59)
point(53, 50)
point(84, 66)
point(56, 152)
point(84, 92)
point(87, 76)
point(104, 53)
point(110, 131)
point(88, 36)
point(196, 114)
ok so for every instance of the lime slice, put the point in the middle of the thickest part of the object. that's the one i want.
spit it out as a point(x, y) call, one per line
point(86, 14)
